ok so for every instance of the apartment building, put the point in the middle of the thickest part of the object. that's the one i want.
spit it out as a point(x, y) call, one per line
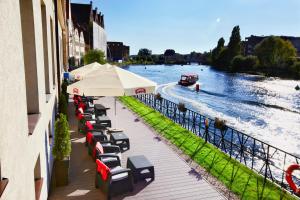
point(117, 51)
point(92, 24)
point(33, 54)
point(76, 38)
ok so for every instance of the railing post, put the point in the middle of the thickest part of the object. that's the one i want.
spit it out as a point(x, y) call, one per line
point(206, 129)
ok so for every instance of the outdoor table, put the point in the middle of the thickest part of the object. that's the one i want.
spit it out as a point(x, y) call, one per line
point(141, 168)
point(120, 139)
point(103, 121)
point(100, 110)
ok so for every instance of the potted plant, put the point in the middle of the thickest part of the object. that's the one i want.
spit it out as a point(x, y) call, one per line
point(220, 124)
point(62, 104)
point(181, 107)
point(61, 151)
point(158, 97)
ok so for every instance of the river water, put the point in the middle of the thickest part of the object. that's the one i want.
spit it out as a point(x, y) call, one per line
point(266, 108)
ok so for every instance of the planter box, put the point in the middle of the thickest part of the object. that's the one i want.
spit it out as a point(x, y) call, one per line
point(61, 172)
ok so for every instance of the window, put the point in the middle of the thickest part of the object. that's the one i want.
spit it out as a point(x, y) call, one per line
point(38, 180)
point(52, 53)
point(30, 64)
point(3, 183)
point(50, 133)
point(45, 46)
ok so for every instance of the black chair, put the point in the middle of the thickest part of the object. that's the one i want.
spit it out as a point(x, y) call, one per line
point(113, 181)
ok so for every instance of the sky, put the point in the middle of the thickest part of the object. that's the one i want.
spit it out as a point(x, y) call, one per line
point(193, 25)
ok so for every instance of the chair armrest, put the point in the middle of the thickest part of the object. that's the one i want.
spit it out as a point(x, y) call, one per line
point(112, 149)
point(105, 142)
point(108, 155)
point(121, 171)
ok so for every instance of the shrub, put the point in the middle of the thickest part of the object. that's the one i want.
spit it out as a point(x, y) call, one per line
point(94, 56)
point(220, 124)
point(181, 107)
point(64, 86)
point(158, 97)
point(244, 63)
point(62, 142)
point(63, 105)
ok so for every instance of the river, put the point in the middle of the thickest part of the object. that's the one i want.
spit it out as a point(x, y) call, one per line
point(266, 108)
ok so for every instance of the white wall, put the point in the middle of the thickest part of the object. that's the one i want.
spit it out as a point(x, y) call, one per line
point(99, 38)
point(19, 151)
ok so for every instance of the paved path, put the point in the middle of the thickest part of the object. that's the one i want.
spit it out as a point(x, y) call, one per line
point(174, 179)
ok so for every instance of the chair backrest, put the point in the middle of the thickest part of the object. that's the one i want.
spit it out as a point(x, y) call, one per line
point(82, 105)
point(98, 148)
point(99, 137)
point(89, 137)
point(89, 125)
point(80, 116)
point(103, 170)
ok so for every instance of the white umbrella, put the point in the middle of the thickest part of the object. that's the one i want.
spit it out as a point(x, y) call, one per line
point(84, 70)
point(110, 80)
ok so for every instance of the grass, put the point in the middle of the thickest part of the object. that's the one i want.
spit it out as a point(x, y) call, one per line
point(239, 179)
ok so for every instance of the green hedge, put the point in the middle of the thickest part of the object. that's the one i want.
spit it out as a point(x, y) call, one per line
point(238, 178)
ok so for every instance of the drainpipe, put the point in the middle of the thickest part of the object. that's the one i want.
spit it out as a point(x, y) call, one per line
point(57, 46)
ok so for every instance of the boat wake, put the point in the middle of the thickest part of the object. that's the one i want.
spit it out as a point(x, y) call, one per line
point(250, 127)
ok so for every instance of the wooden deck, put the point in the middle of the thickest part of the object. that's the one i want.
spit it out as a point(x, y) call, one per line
point(174, 179)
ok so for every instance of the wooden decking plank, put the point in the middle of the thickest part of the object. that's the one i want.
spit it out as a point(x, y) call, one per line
point(174, 179)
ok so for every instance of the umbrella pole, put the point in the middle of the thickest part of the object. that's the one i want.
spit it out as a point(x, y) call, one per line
point(115, 113)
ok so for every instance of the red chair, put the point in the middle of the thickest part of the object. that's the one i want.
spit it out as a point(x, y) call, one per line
point(113, 181)
point(110, 155)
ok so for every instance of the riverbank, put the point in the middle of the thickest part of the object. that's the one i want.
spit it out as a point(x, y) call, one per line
point(235, 176)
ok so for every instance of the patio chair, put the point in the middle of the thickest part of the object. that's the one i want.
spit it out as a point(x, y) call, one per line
point(113, 181)
point(108, 154)
point(92, 138)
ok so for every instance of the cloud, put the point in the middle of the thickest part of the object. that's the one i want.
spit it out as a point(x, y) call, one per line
point(218, 20)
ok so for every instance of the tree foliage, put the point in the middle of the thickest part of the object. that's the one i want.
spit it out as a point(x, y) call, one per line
point(241, 63)
point(215, 54)
point(94, 56)
point(62, 142)
point(234, 45)
point(169, 52)
point(62, 104)
point(274, 52)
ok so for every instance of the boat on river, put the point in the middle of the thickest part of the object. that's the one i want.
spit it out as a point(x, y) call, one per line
point(188, 79)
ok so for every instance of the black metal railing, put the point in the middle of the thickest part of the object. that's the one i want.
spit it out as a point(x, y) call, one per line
point(267, 160)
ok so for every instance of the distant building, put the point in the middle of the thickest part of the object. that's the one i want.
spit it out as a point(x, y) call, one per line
point(91, 24)
point(117, 51)
point(250, 43)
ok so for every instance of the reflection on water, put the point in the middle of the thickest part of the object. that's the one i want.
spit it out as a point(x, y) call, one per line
point(266, 108)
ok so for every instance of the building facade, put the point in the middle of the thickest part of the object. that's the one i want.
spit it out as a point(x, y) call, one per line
point(34, 52)
point(250, 43)
point(117, 51)
point(92, 25)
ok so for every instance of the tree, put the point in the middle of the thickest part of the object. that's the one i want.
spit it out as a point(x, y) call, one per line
point(144, 53)
point(94, 56)
point(169, 52)
point(216, 51)
point(240, 62)
point(234, 45)
point(274, 52)
point(62, 142)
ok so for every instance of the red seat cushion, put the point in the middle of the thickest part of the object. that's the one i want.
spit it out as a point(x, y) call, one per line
point(79, 116)
point(98, 148)
point(89, 125)
point(103, 170)
point(82, 105)
point(89, 137)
